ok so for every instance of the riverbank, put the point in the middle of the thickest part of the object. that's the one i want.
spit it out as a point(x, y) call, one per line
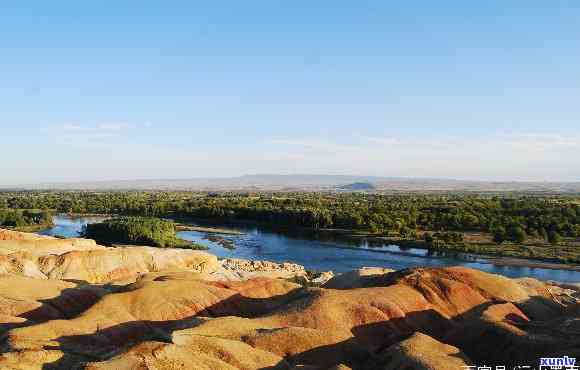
point(520, 262)
point(31, 228)
point(336, 250)
point(179, 226)
point(77, 215)
point(499, 255)
point(506, 254)
point(537, 254)
point(207, 230)
point(179, 244)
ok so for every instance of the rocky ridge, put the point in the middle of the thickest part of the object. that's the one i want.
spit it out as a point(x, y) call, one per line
point(71, 304)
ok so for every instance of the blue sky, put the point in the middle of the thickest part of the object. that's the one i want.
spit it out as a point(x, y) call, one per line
point(146, 89)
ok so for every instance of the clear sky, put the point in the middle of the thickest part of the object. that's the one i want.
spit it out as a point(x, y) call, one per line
point(100, 90)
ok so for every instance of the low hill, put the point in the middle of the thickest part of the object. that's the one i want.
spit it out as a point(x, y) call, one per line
point(358, 186)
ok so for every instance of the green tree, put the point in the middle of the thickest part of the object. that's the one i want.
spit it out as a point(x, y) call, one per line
point(554, 238)
point(544, 234)
point(517, 234)
point(499, 235)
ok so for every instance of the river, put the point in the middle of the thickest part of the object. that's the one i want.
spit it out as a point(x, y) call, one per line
point(327, 251)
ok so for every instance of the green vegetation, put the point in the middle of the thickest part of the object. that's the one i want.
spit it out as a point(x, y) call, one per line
point(526, 225)
point(25, 219)
point(137, 230)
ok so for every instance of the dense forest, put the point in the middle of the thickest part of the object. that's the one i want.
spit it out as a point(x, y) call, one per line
point(437, 219)
point(513, 218)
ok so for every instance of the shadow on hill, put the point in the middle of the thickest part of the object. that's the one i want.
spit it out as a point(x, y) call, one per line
point(67, 305)
point(108, 342)
point(502, 342)
point(507, 339)
point(510, 341)
point(72, 302)
point(361, 351)
point(381, 335)
point(247, 307)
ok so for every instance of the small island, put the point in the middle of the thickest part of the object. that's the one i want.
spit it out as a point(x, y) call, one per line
point(138, 231)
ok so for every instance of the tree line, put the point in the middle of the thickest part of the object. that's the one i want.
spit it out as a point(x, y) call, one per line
point(513, 218)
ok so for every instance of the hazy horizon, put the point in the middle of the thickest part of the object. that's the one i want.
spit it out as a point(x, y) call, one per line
point(305, 182)
point(142, 90)
point(281, 176)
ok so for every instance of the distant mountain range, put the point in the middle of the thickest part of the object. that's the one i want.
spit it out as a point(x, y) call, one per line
point(267, 182)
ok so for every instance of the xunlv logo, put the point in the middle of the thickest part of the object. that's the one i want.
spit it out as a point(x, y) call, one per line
point(558, 362)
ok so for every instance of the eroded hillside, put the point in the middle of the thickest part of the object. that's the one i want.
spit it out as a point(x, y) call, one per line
point(72, 304)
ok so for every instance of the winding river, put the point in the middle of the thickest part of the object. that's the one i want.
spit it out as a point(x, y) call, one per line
point(326, 251)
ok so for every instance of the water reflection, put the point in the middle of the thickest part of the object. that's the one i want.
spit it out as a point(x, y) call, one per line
point(70, 227)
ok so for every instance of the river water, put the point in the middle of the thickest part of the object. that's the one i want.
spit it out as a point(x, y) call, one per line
point(326, 251)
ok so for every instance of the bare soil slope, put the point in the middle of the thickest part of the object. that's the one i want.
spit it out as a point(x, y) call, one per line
point(93, 307)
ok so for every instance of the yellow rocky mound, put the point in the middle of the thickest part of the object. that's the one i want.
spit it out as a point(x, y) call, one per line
point(178, 318)
point(203, 353)
point(26, 301)
point(82, 259)
point(170, 320)
point(149, 309)
point(420, 352)
point(361, 278)
point(46, 246)
point(17, 235)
